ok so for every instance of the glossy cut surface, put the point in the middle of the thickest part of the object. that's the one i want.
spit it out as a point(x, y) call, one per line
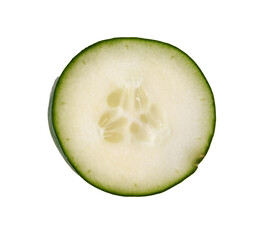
point(132, 116)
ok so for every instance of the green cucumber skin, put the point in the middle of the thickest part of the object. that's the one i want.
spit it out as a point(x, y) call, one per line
point(66, 158)
point(51, 125)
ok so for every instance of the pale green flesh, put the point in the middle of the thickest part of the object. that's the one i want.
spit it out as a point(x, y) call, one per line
point(132, 116)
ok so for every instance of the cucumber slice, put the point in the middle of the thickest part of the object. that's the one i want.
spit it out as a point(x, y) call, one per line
point(132, 116)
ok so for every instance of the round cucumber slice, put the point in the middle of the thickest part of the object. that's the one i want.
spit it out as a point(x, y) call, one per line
point(132, 116)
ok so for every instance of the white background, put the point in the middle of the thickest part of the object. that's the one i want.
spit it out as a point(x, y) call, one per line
point(232, 195)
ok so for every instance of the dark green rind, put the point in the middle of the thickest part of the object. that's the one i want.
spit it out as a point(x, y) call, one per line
point(67, 159)
point(51, 125)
